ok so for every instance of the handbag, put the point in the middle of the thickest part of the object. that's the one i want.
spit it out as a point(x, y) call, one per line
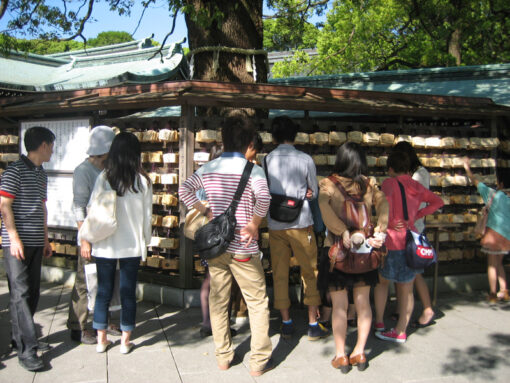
point(91, 281)
point(281, 207)
point(213, 239)
point(101, 220)
point(355, 260)
point(483, 216)
point(419, 252)
point(194, 221)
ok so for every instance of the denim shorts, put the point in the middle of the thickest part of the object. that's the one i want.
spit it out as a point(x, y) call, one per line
point(395, 267)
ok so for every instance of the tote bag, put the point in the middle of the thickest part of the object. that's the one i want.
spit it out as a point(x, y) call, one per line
point(101, 220)
point(194, 221)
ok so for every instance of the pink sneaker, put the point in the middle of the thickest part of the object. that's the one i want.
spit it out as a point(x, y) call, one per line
point(379, 327)
point(392, 336)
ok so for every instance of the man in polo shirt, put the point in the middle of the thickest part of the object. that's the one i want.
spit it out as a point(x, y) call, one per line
point(23, 192)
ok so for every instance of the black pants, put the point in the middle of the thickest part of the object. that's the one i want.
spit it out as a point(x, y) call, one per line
point(24, 279)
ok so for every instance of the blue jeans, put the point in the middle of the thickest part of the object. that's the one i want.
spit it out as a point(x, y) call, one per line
point(105, 282)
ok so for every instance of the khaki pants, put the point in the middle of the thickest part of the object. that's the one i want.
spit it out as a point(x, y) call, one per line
point(250, 278)
point(284, 243)
point(78, 311)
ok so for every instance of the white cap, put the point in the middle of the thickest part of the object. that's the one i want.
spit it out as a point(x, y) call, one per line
point(100, 140)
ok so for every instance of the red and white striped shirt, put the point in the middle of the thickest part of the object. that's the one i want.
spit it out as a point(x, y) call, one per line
point(220, 178)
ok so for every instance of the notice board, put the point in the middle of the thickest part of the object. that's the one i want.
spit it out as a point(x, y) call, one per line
point(69, 150)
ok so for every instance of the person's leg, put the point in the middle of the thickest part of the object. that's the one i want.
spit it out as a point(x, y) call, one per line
point(127, 285)
point(219, 297)
point(501, 273)
point(339, 320)
point(406, 298)
point(252, 282)
point(204, 300)
point(364, 312)
point(380, 298)
point(423, 292)
point(105, 283)
point(34, 270)
point(20, 305)
point(78, 307)
point(492, 274)
point(280, 261)
point(304, 248)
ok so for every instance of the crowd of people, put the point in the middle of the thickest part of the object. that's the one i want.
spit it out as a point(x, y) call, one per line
point(286, 191)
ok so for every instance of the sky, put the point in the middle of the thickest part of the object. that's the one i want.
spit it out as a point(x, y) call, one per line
point(157, 20)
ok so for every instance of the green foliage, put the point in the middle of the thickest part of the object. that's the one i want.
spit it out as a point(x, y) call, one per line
point(109, 38)
point(288, 34)
point(364, 35)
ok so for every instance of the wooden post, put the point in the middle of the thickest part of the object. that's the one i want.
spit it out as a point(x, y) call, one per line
point(186, 150)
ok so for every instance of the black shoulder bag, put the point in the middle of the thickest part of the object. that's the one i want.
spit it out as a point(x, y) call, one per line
point(213, 239)
point(283, 208)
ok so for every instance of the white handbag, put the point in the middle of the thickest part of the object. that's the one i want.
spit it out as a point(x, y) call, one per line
point(101, 220)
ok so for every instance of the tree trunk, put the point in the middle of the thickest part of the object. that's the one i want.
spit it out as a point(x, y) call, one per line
point(239, 27)
point(454, 46)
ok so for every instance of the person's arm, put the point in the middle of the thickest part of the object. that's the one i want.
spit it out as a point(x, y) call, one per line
point(81, 195)
point(334, 224)
point(47, 251)
point(311, 180)
point(16, 246)
point(469, 173)
point(260, 189)
point(434, 203)
point(187, 194)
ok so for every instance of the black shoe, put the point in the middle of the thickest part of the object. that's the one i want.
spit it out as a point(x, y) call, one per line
point(76, 335)
point(32, 363)
point(88, 337)
point(317, 332)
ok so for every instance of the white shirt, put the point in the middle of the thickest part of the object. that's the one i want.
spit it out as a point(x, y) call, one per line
point(134, 212)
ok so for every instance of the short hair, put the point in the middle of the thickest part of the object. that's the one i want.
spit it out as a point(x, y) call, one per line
point(406, 147)
point(237, 134)
point(258, 145)
point(283, 129)
point(399, 162)
point(35, 136)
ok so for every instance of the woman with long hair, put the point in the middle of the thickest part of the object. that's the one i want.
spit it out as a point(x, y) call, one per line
point(350, 171)
point(123, 173)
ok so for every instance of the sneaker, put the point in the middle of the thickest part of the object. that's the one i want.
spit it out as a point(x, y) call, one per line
point(492, 298)
point(32, 363)
point(113, 330)
point(392, 336)
point(287, 329)
point(88, 337)
point(317, 332)
point(379, 327)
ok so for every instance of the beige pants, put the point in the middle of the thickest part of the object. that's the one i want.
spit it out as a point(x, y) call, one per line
point(78, 310)
point(284, 243)
point(250, 278)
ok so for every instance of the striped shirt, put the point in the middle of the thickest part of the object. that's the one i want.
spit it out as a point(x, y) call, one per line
point(220, 179)
point(26, 184)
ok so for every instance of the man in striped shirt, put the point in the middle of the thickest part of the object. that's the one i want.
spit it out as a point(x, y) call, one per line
point(220, 179)
point(23, 193)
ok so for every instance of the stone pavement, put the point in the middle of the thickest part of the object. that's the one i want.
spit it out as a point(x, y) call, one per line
point(469, 343)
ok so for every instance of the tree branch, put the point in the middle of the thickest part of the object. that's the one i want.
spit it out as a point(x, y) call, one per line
point(300, 8)
point(79, 32)
point(146, 5)
point(160, 50)
point(3, 7)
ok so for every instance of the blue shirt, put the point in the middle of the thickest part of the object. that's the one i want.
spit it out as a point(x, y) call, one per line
point(291, 172)
point(499, 213)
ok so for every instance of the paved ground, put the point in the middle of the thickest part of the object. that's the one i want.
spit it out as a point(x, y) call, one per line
point(471, 342)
